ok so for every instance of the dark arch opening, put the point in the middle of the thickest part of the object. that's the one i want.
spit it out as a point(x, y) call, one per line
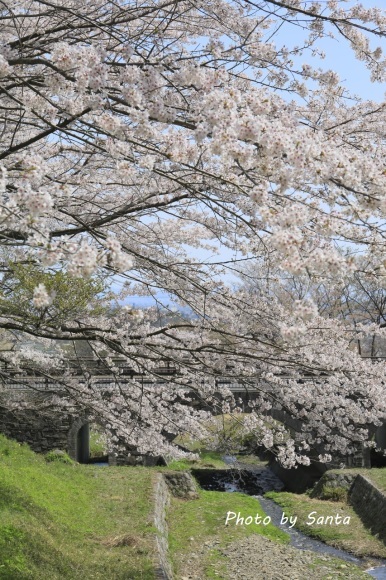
point(91, 444)
point(83, 444)
point(378, 458)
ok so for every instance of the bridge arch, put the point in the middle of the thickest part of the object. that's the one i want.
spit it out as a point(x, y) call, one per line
point(79, 440)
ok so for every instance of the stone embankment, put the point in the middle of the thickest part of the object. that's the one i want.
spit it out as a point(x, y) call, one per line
point(178, 484)
point(333, 480)
point(162, 566)
point(370, 504)
point(367, 500)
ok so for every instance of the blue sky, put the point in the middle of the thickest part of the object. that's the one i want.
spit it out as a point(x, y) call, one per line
point(340, 57)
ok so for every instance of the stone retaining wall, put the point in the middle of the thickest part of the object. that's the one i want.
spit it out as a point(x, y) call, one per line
point(179, 484)
point(42, 432)
point(163, 569)
point(370, 505)
point(300, 479)
point(332, 480)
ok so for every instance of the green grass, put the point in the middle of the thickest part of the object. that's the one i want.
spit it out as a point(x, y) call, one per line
point(193, 523)
point(353, 538)
point(251, 460)
point(378, 477)
point(97, 443)
point(60, 521)
point(213, 459)
point(59, 456)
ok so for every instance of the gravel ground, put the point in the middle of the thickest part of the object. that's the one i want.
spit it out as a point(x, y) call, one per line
point(257, 558)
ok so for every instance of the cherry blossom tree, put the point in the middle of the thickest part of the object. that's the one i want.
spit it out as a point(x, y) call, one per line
point(140, 139)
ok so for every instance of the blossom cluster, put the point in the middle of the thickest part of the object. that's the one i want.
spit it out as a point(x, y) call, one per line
point(41, 298)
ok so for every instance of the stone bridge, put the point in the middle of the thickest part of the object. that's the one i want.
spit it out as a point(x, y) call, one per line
point(45, 430)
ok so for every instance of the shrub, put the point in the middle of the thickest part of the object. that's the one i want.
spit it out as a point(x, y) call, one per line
point(58, 455)
point(334, 493)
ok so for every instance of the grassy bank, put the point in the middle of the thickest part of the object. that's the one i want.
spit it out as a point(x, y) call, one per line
point(214, 459)
point(378, 477)
point(210, 459)
point(68, 521)
point(353, 538)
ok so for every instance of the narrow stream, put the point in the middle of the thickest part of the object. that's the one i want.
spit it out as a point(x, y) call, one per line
point(378, 572)
point(303, 542)
point(264, 478)
point(299, 540)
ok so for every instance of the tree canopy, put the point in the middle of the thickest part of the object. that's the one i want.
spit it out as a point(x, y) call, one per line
point(142, 138)
point(38, 297)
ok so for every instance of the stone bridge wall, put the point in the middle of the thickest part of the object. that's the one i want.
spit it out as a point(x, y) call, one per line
point(45, 431)
point(41, 431)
